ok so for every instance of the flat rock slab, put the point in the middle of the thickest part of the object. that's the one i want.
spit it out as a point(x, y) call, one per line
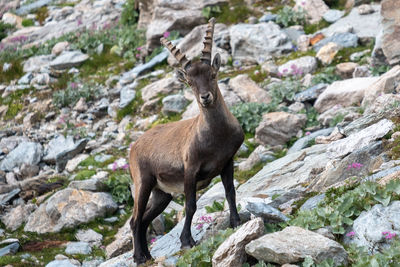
point(78, 248)
point(293, 244)
point(359, 140)
point(124, 260)
point(231, 252)
point(68, 208)
point(68, 59)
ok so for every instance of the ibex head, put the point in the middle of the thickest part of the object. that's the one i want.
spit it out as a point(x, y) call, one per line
point(201, 76)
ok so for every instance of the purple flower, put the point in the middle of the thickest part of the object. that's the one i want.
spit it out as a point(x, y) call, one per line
point(285, 70)
point(308, 133)
point(139, 48)
point(79, 21)
point(279, 74)
point(388, 235)
point(115, 166)
point(166, 34)
point(199, 226)
point(73, 85)
point(137, 55)
point(355, 165)
point(125, 166)
point(153, 240)
point(351, 234)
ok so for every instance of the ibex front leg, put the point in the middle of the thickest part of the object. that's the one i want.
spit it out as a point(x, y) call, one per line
point(187, 240)
point(227, 180)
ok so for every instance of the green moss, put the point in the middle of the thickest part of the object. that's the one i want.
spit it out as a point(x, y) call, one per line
point(91, 162)
point(313, 28)
point(234, 12)
point(27, 22)
point(295, 55)
point(14, 72)
point(85, 174)
point(344, 54)
point(15, 103)
point(243, 176)
point(167, 118)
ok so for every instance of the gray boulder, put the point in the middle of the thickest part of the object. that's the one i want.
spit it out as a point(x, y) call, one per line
point(68, 208)
point(299, 66)
point(293, 244)
point(68, 59)
point(126, 96)
point(174, 104)
point(89, 236)
point(9, 249)
point(333, 15)
point(256, 43)
point(37, 63)
point(17, 216)
point(311, 93)
point(78, 248)
point(26, 152)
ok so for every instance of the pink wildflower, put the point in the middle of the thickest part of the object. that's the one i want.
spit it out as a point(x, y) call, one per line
point(199, 226)
point(166, 34)
point(153, 240)
point(125, 166)
point(308, 133)
point(115, 166)
point(351, 234)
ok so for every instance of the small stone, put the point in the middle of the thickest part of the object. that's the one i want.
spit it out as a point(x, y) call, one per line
point(362, 71)
point(60, 47)
point(81, 105)
point(303, 42)
point(327, 53)
point(365, 9)
point(346, 69)
point(78, 248)
point(300, 66)
point(89, 236)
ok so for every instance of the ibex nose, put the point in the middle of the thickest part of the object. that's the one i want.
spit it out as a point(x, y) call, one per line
point(205, 96)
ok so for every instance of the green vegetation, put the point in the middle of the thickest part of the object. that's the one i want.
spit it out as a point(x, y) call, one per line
point(15, 102)
point(91, 162)
point(73, 93)
point(287, 16)
point(4, 28)
point(201, 255)
point(243, 176)
point(216, 206)
point(379, 70)
point(119, 186)
point(27, 22)
point(234, 12)
point(15, 71)
point(313, 28)
point(41, 14)
point(249, 115)
point(342, 205)
point(85, 174)
point(337, 119)
point(129, 14)
point(285, 91)
point(328, 76)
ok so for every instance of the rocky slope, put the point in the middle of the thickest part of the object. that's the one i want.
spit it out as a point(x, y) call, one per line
point(315, 85)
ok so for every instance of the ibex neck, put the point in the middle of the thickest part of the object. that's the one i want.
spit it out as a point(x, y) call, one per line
point(216, 116)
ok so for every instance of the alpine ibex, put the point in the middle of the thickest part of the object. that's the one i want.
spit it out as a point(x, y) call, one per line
point(185, 156)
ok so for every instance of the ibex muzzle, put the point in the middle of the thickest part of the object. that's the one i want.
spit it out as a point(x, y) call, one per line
point(185, 156)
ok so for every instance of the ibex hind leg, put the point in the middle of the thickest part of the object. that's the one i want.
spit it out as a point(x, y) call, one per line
point(159, 200)
point(142, 194)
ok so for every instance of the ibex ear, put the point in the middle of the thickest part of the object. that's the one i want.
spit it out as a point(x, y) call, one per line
point(216, 62)
point(181, 75)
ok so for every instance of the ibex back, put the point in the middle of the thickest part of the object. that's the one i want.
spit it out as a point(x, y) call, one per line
point(184, 156)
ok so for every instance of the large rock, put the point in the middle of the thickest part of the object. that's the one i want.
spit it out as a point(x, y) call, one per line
point(256, 43)
point(78, 248)
point(346, 93)
point(56, 146)
point(17, 216)
point(248, 90)
point(276, 128)
point(89, 236)
point(358, 140)
point(164, 86)
point(173, 104)
point(299, 66)
point(282, 176)
point(68, 208)
point(68, 59)
point(26, 152)
point(260, 154)
point(37, 63)
point(293, 244)
point(231, 252)
point(369, 227)
point(387, 45)
point(179, 15)
point(386, 84)
point(363, 26)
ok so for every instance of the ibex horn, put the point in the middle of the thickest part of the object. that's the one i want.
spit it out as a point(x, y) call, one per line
point(206, 53)
point(183, 61)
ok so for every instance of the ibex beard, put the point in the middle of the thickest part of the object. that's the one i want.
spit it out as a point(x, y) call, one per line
point(184, 156)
